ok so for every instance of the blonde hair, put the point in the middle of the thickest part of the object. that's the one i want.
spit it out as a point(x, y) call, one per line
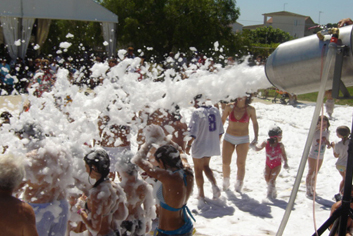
point(11, 171)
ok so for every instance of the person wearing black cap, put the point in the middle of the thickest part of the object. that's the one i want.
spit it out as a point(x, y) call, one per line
point(105, 207)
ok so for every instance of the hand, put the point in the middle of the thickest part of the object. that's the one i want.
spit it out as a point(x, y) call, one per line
point(81, 202)
point(153, 134)
point(253, 143)
point(285, 166)
point(187, 150)
point(344, 22)
point(253, 146)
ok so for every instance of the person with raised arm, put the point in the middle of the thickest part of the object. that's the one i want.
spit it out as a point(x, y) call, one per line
point(176, 178)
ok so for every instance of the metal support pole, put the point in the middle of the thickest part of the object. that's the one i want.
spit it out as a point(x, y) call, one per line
point(328, 62)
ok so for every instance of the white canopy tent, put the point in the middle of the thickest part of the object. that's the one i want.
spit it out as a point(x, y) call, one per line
point(18, 16)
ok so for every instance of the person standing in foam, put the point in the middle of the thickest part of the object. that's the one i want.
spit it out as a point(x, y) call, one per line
point(275, 152)
point(105, 207)
point(236, 138)
point(177, 181)
point(140, 201)
point(115, 139)
point(16, 217)
point(317, 151)
point(205, 130)
point(48, 174)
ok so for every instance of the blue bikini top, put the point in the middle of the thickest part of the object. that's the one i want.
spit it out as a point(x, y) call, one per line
point(164, 205)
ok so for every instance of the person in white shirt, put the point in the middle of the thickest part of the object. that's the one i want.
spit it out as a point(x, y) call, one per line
point(205, 130)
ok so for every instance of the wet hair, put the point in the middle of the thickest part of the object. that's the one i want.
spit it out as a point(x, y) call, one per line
point(198, 96)
point(272, 133)
point(31, 131)
point(169, 156)
point(248, 99)
point(125, 165)
point(5, 116)
point(344, 131)
point(325, 119)
point(11, 172)
point(100, 159)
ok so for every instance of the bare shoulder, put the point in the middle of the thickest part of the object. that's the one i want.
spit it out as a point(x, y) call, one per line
point(28, 210)
point(230, 105)
point(251, 108)
point(228, 108)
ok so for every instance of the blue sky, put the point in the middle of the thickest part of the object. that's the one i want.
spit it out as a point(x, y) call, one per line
point(331, 11)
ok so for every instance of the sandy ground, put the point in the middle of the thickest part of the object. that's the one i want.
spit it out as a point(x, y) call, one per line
point(12, 103)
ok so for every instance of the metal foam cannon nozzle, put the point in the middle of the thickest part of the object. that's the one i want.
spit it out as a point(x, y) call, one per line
point(321, 34)
point(295, 66)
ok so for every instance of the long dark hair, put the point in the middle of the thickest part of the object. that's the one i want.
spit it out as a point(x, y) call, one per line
point(100, 159)
point(344, 131)
point(324, 119)
point(170, 157)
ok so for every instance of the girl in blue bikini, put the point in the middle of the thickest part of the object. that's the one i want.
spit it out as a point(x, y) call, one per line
point(177, 181)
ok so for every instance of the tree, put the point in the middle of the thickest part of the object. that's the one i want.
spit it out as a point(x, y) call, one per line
point(269, 35)
point(265, 40)
point(173, 25)
point(84, 35)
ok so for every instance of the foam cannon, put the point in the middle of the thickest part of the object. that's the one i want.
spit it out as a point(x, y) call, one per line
point(310, 64)
point(296, 66)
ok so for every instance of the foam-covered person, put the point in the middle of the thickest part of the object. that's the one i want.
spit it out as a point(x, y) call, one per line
point(104, 208)
point(176, 178)
point(140, 201)
point(48, 173)
point(16, 217)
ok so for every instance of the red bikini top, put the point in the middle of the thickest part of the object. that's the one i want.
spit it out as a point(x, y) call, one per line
point(244, 119)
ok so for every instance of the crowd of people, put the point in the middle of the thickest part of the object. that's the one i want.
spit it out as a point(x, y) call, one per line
point(116, 198)
point(18, 76)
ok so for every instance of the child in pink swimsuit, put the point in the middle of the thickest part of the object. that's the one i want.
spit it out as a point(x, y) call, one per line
point(275, 152)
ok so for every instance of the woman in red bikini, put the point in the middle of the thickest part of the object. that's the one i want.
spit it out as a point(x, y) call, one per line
point(236, 137)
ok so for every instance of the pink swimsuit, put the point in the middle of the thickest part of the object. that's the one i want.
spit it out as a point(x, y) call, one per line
point(273, 155)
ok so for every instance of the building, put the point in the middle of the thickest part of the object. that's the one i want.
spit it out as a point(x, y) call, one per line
point(295, 24)
point(237, 27)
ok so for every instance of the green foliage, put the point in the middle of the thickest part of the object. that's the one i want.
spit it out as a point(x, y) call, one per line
point(265, 40)
point(269, 35)
point(312, 97)
point(85, 35)
point(173, 25)
point(331, 25)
